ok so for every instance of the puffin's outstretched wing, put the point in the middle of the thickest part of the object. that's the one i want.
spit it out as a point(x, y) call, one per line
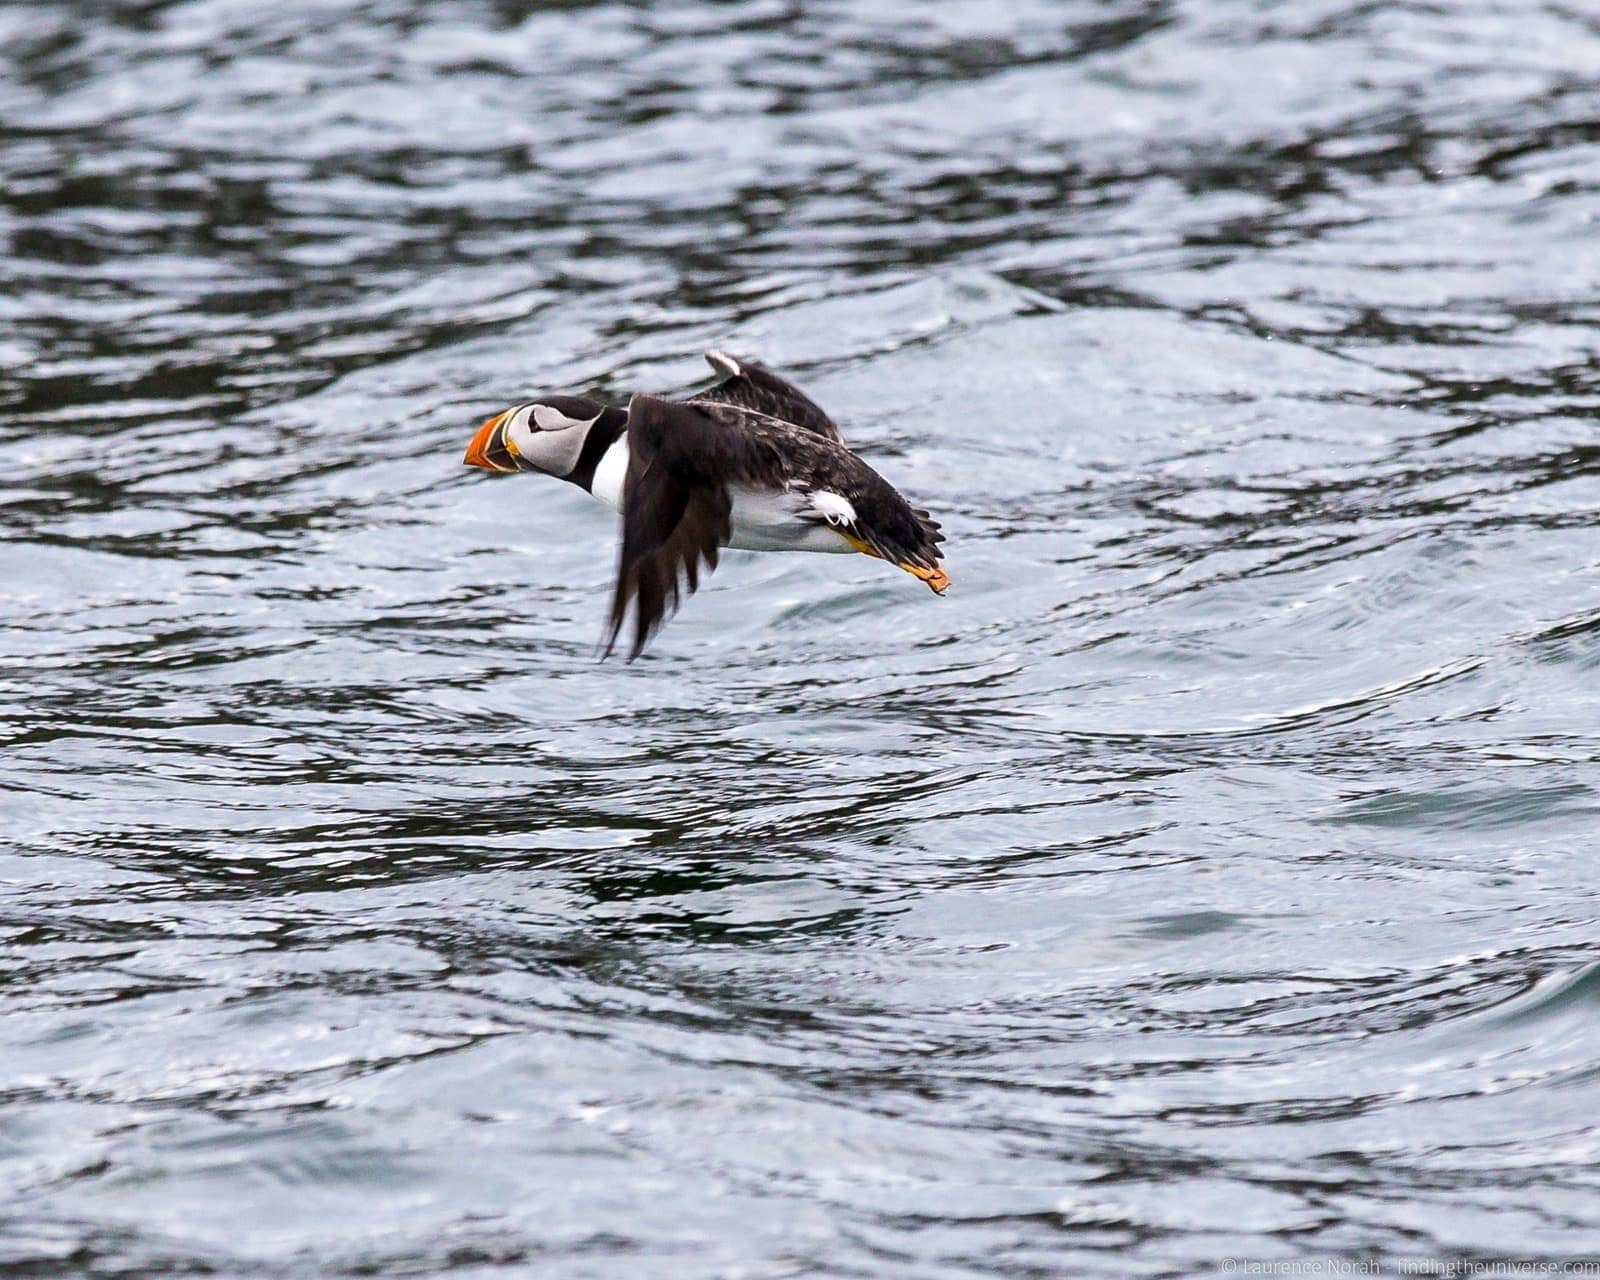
point(748, 385)
point(676, 506)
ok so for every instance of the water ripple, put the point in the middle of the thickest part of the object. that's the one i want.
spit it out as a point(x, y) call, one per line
point(1206, 875)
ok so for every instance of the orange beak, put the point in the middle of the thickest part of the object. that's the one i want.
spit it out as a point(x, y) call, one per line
point(490, 449)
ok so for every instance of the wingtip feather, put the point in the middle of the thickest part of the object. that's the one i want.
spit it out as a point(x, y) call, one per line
point(723, 363)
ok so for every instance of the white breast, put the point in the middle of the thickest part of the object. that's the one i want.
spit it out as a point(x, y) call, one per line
point(610, 472)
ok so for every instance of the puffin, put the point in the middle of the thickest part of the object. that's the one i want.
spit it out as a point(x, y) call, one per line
point(750, 463)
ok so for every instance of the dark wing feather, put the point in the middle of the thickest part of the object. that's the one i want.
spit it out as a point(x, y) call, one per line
point(748, 385)
point(676, 505)
point(889, 525)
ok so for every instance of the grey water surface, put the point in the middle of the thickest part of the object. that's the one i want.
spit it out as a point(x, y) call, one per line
point(1211, 874)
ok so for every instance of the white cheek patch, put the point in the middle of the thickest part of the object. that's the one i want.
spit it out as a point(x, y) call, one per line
point(545, 439)
point(832, 507)
point(519, 436)
point(548, 419)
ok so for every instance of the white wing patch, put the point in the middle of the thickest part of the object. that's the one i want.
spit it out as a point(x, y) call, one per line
point(779, 520)
point(832, 507)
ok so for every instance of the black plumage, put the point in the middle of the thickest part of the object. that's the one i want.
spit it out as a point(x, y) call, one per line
point(751, 462)
point(748, 385)
point(684, 458)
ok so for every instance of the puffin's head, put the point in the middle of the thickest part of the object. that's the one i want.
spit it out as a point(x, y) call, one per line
point(544, 435)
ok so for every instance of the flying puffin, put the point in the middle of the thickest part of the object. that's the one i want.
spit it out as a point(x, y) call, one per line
point(750, 463)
